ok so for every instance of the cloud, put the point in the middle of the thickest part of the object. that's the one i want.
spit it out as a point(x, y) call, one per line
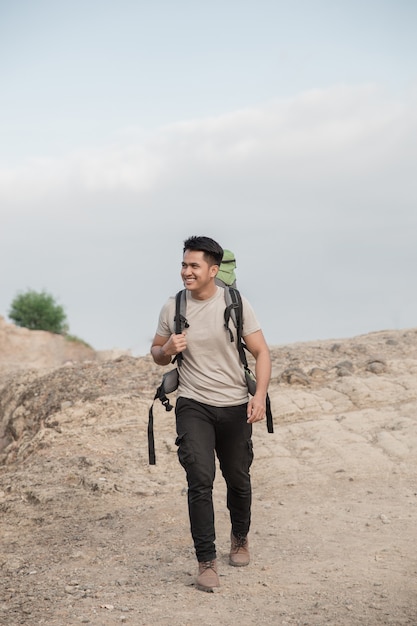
point(343, 132)
point(315, 194)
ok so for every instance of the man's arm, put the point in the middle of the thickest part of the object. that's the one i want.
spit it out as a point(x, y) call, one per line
point(163, 348)
point(258, 347)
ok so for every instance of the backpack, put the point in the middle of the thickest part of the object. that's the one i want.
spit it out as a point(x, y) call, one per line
point(169, 383)
point(226, 276)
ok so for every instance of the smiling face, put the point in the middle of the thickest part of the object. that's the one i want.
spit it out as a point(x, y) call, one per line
point(198, 275)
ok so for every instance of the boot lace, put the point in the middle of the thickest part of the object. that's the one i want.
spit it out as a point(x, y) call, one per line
point(208, 565)
point(239, 542)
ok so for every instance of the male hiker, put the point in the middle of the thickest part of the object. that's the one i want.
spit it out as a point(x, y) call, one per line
point(213, 411)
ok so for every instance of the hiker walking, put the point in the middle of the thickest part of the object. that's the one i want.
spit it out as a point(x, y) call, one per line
point(214, 414)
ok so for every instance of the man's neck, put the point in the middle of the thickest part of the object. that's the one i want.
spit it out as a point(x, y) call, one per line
point(206, 293)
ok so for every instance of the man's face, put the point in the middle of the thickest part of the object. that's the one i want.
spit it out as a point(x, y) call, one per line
point(196, 273)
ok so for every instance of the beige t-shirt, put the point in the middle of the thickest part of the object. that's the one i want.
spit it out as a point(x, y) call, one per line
point(211, 371)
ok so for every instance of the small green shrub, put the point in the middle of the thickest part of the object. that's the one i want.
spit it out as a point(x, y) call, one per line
point(75, 339)
point(38, 311)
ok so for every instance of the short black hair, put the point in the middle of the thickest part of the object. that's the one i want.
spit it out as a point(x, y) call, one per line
point(213, 252)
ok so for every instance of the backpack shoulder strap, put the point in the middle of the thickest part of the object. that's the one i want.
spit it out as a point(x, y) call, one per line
point(234, 310)
point(180, 311)
point(180, 323)
point(180, 319)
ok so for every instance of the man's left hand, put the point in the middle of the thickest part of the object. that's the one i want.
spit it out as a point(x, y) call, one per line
point(256, 410)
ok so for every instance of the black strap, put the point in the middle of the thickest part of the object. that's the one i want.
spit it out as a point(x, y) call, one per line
point(269, 419)
point(180, 324)
point(180, 320)
point(237, 308)
point(151, 439)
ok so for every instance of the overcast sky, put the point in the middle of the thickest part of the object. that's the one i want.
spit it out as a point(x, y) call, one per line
point(285, 130)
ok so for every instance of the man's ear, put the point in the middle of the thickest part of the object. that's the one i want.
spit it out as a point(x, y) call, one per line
point(214, 270)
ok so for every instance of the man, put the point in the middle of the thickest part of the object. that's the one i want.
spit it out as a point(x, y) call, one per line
point(213, 411)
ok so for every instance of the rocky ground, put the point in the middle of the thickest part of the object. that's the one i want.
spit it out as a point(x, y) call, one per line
point(91, 534)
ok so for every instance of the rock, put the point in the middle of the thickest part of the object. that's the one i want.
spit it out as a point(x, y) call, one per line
point(344, 368)
point(376, 366)
point(294, 376)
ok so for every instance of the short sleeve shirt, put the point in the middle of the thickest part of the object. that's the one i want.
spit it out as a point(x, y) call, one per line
point(211, 371)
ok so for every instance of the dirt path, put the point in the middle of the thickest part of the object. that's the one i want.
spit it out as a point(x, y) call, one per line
point(90, 534)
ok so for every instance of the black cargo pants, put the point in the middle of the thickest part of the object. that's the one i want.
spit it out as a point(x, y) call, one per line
point(202, 432)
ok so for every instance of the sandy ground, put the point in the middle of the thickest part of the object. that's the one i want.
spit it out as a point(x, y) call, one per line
point(91, 534)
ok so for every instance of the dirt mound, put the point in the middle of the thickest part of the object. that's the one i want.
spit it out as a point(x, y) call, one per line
point(29, 399)
point(92, 534)
point(21, 348)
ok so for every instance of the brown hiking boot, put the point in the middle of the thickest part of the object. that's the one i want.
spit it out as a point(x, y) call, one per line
point(239, 551)
point(207, 578)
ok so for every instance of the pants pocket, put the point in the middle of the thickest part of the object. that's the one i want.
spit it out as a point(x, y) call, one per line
point(185, 450)
point(250, 452)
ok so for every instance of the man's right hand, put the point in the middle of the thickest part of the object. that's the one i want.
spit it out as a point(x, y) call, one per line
point(163, 349)
point(175, 344)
